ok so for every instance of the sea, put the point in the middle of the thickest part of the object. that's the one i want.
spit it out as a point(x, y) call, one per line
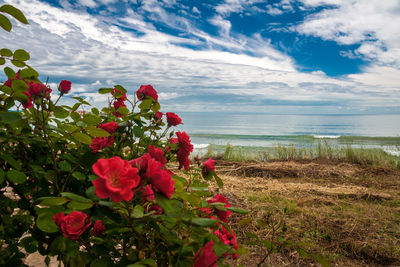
point(269, 130)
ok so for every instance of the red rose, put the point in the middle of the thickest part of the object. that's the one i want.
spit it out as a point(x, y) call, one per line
point(209, 165)
point(185, 147)
point(116, 179)
point(222, 214)
point(64, 87)
point(58, 217)
point(28, 104)
point(98, 228)
point(173, 119)
point(158, 115)
point(156, 208)
point(159, 178)
point(146, 90)
point(228, 238)
point(98, 143)
point(141, 162)
point(147, 193)
point(205, 256)
point(35, 89)
point(110, 127)
point(157, 154)
point(73, 224)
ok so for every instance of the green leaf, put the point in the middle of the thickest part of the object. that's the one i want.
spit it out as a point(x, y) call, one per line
point(21, 55)
point(76, 205)
point(75, 197)
point(10, 117)
point(96, 240)
point(218, 180)
point(105, 90)
point(6, 89)
point(2, 176)
point(155, 107)
point(91, 119)
point(2, 61)
point(144, 263)
point(10, 160)
point(146, 104)
point(60, 112)
point(120, 88)
point(137, 130)
point(6, 52)
point(237, 210)
point(204, 222)
point(79, 176)
point(59, 245)
point(75, 116)
point(138, 211)
point(53, 201)
point(28, 73)
point(45, 222)
point(83, 138)
point(321, 260)
point(9, 72)
point(16, 177)
point(69, 128)
point(17, 63)
point(251, 235)
point(21, 97)
point(97, 132)
point(5, 23)
point(30, 244)
point(95, 111)
point(65, 166)
point(123, 110)
point(19, 85)
point(15, 12)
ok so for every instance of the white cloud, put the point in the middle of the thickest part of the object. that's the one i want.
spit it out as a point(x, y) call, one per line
point(222, 24)
point(373, 24)
point(85, 48)
point(88, 3)
point(196, 10)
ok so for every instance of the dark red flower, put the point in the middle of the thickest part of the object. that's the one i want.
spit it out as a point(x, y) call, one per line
point(110, 127)
point(184, 150)
point(98, 143)
point(65, 86)
point(29, 103)
point(156, 208)
point(58, 217)
point(98, 228)
point(205, 256)
point(73, 224)
point(158, 115)
point(222, 214)
point(116, 179)
point(160, 179)
point(9, 81)
point(141, 162)
point(147, 193)
point(228, 238)
point(157, 154)
point(146, 90)
point(173, 119)
point(35, 89)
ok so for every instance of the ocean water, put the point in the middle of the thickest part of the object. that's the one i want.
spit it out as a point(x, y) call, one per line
point(266, 130)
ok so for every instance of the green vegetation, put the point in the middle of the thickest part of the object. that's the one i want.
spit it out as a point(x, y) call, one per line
point(322, 150)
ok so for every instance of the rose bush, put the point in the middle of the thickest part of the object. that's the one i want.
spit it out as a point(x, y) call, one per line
point(101, 188)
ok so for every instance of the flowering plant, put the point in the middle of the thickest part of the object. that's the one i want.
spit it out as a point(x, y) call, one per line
point(100, 187)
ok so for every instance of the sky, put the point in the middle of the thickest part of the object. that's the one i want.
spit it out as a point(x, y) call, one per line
point(278, 56)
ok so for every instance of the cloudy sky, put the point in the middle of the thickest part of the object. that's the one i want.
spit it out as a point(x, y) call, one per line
point(287, 56)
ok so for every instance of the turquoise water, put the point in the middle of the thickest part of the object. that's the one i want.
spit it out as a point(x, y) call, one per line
point(265, 130)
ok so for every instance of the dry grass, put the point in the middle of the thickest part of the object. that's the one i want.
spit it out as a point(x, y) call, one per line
point(349, 213)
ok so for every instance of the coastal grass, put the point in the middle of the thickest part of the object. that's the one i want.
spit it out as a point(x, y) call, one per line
point(321, 151)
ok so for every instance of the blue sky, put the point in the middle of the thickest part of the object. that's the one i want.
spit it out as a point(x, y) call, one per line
point(280, 56)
